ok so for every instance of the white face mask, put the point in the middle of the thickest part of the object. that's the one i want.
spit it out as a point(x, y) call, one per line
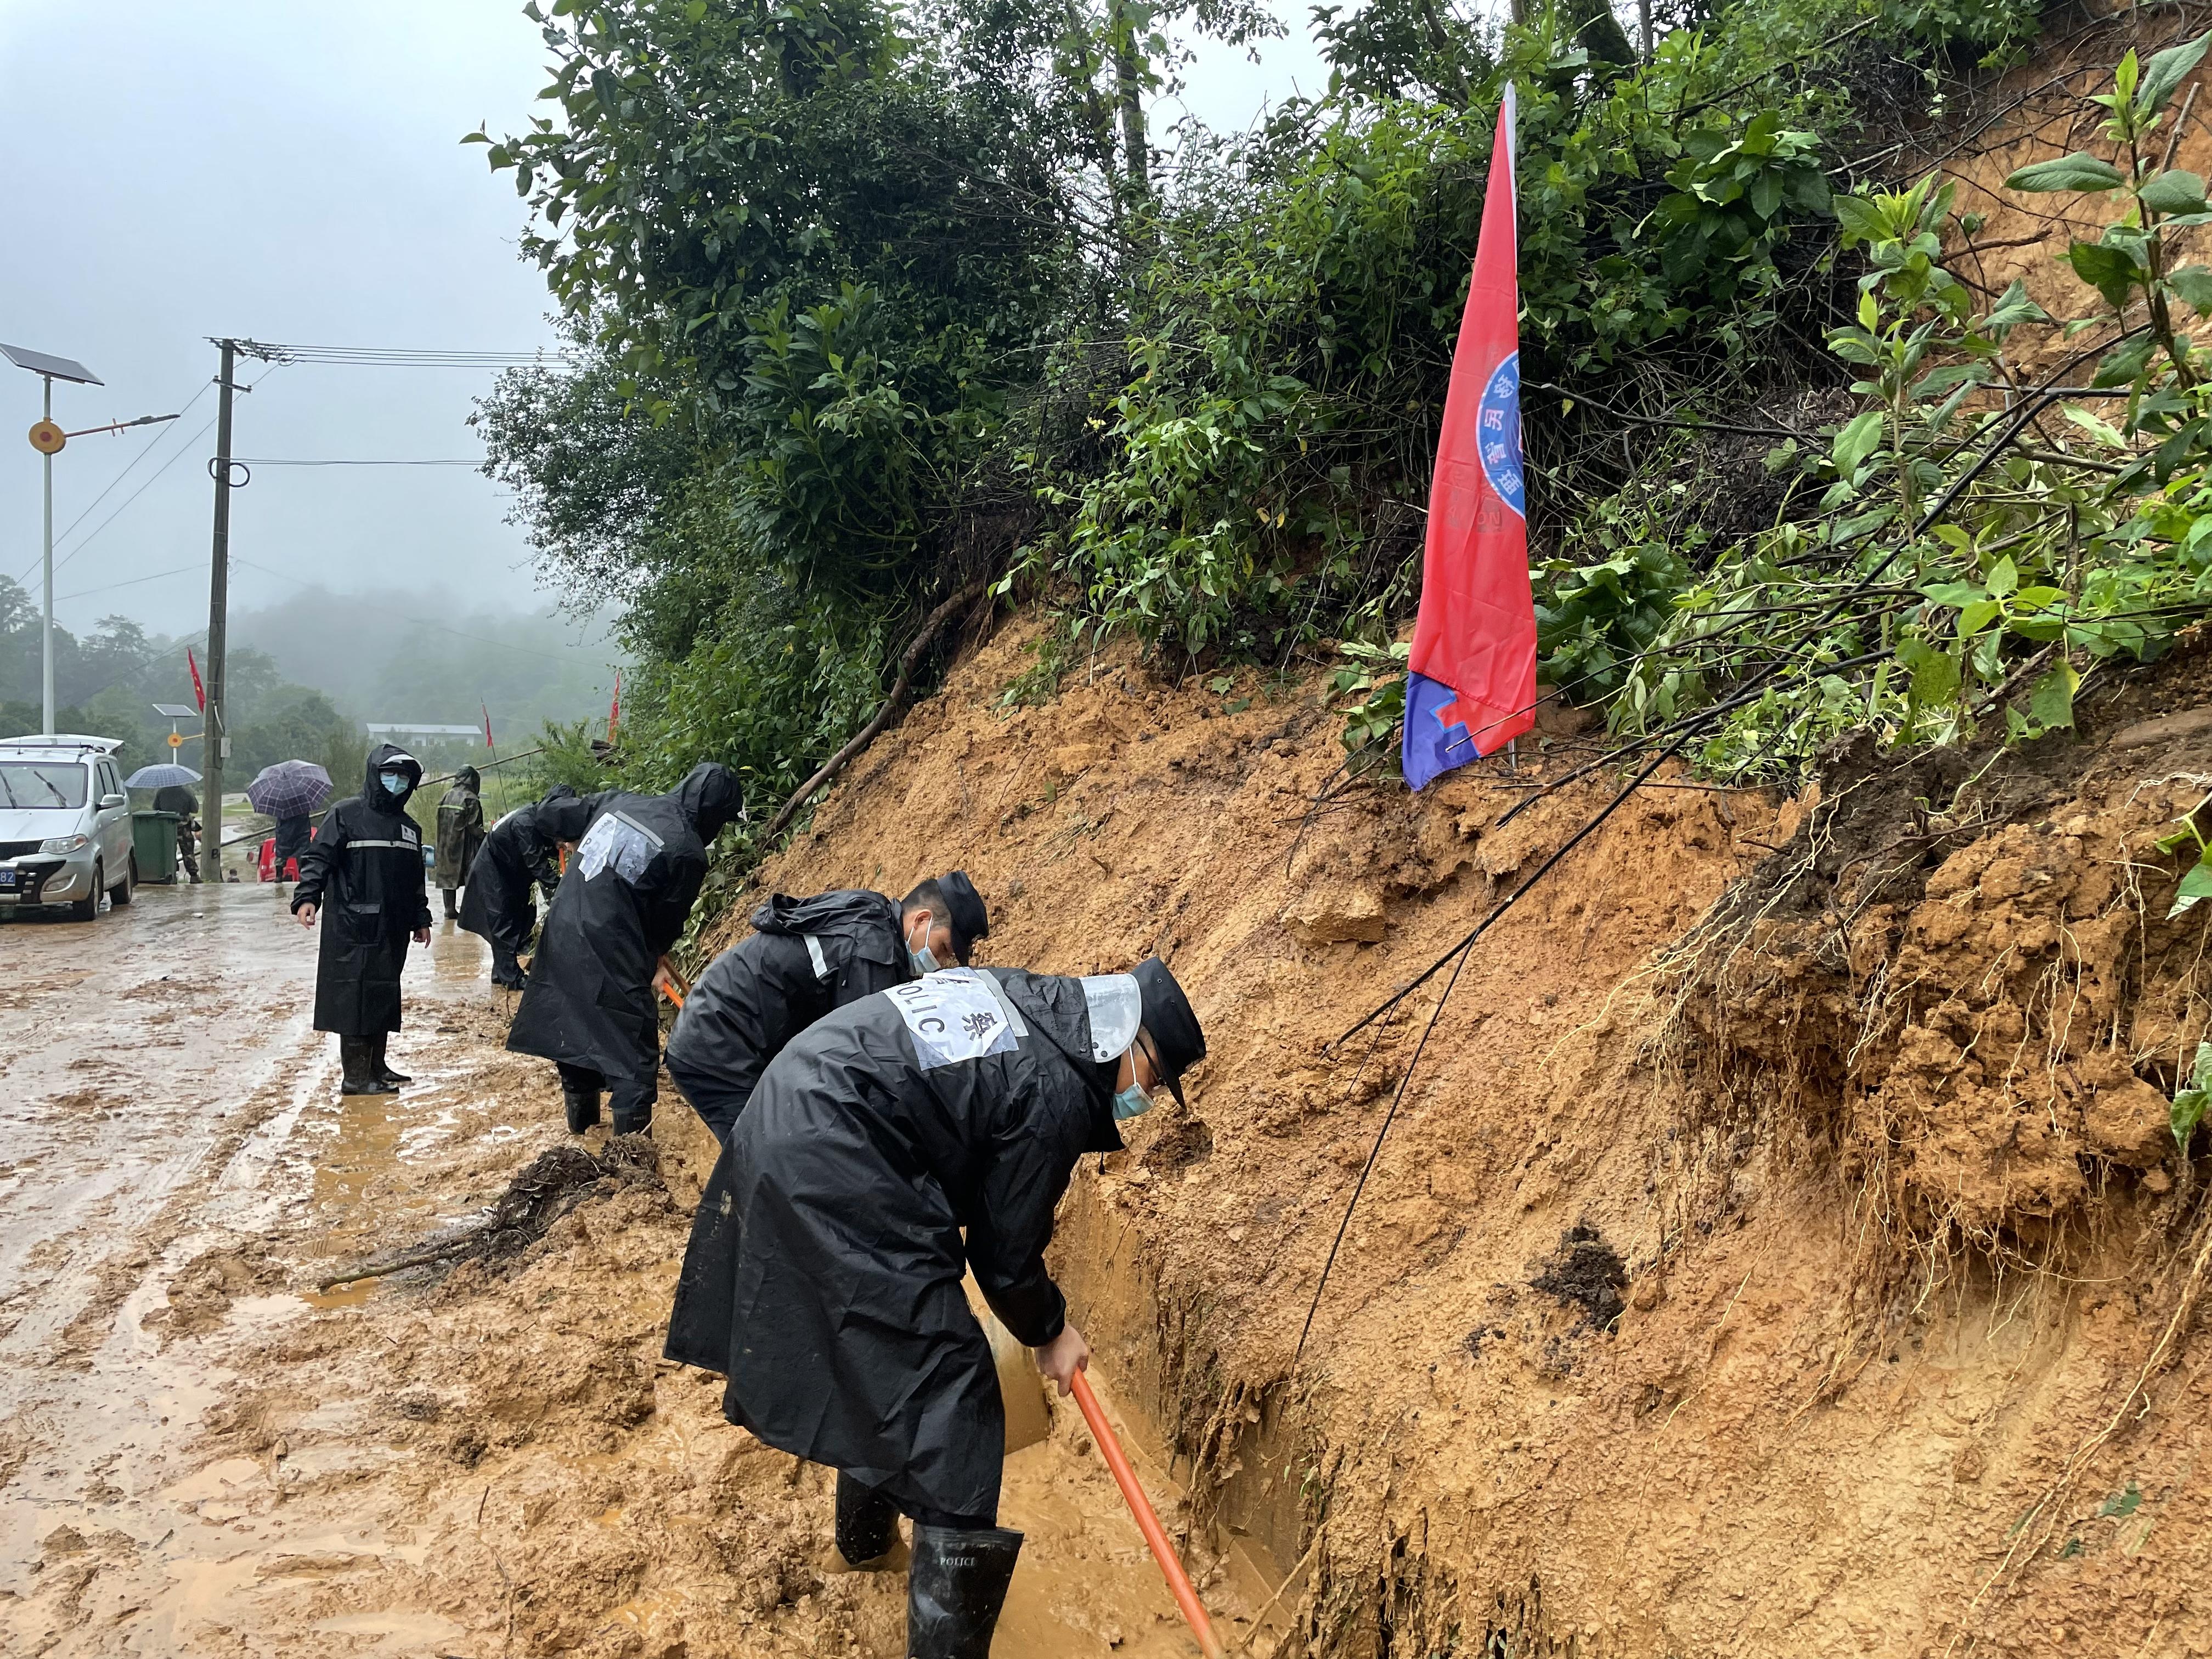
point(924, 959)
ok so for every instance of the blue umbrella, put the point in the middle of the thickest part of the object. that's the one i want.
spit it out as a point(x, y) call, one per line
point(160, 777)
point(290, 788)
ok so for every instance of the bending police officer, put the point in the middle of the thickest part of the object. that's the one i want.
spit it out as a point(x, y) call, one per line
point(805, 957)
point(588, 1007)
point(823, 1272)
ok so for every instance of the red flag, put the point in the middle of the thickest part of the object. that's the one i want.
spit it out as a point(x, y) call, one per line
point(199, 691)
point(614, 709)
point(1473, 683)
point(487, 714)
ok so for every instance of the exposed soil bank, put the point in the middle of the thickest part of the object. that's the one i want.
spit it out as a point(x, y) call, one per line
point(1699, 1303)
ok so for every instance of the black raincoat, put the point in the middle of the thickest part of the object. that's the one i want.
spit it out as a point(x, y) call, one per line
point(518, 854)
point(364, 869)
point(806, 955)
point(823, 1272)
point(622, 904)
point(293, 836)
point(460, 830)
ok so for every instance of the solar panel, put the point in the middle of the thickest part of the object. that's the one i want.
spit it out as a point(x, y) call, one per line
point(176, 711)
point(61, 369)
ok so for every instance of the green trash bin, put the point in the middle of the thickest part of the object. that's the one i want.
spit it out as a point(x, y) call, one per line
point(153, 838)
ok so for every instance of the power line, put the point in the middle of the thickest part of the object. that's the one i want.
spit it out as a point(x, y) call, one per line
point(143, 454)
point(406, 356)
point(266, 460)
point(85, 592)
point(123, 506)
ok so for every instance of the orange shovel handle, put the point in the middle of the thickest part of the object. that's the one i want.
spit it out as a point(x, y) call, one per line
point(1193, 1611)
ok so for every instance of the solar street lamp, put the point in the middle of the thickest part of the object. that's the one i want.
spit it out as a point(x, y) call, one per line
point(47, 439)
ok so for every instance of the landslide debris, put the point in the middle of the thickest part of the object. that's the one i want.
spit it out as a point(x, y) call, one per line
point(546, 1188)
point(1585, 1272)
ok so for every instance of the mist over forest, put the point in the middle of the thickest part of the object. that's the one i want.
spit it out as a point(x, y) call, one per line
point(306, 675)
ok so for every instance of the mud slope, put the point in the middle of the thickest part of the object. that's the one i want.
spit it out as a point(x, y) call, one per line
point(1779, 1248)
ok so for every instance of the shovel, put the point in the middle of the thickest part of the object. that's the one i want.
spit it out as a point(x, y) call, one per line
point(1193, 1611)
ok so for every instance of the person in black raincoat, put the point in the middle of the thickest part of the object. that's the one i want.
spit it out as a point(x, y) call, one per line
point(363, 875)
point(293, 836)
point(807, 956)
point(588, 1007)
point(518, 852)
point(175, 798)
point(823, 1272)
point(460, 834)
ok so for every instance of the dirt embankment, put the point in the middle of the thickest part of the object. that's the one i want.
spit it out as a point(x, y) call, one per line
point(1796, 1265)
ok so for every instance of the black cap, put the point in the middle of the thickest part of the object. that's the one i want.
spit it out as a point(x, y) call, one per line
point(968, 919)
point(1178, 1044)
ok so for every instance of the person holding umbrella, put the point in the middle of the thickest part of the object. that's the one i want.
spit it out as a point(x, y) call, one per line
point(289, 792)
point(171, 787)
point(366, 869)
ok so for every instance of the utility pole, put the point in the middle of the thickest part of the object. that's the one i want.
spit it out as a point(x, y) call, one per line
point(216, 749)
point(46, 656)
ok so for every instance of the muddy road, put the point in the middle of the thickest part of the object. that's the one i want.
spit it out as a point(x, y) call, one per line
point(202, 1454)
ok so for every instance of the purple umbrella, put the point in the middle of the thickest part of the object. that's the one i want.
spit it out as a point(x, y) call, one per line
point(290, 788)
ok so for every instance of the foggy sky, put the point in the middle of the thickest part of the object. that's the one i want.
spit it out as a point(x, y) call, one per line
point(290, 170)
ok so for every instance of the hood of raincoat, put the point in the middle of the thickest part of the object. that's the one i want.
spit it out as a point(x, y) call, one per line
point(709, 798)
point(1060, 1011)
point(390, 757)
point(468, 778)
point(867, 923)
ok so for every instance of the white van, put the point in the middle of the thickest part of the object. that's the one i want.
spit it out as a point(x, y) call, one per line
point(64, 825)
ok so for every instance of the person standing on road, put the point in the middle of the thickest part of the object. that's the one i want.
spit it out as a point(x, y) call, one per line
point(176, 798)
point(460, 835)
point(807, 956)
point(824, 1273)
point(365, 869)
point(589, 1005)
point(293, 834)
point(520, 852)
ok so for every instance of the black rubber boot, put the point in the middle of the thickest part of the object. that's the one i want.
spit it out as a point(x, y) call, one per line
point(636, 1120)
point(583, 1106)
point(384, 1071)
point(453, 913)
point(357, 1061)
point(867, 1527)
point(954, 1590)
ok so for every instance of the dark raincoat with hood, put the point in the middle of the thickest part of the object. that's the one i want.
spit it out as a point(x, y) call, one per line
point(806, 955)
point(364, 870)
point(518, 852)
point(823, 1274)
point(639, 862)
point(461, 829)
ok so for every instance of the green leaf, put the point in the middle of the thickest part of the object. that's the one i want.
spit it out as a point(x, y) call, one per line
point(2102, 431)
point(2080, 171)
point(2003, 577)
point(2110, 271)
point(2194, 284)
point(1958, 595)
point(2051, 701)
point(1856, 442)
point(2176, 191)
point(1935, 673)
point(2196, 883)
point(2185, 1114)
point(2167, 70)
point(1862, 220)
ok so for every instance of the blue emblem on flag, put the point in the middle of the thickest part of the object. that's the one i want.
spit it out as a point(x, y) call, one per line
point(1497, 420)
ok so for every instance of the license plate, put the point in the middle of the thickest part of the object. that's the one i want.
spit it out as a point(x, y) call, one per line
point(7, 880)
